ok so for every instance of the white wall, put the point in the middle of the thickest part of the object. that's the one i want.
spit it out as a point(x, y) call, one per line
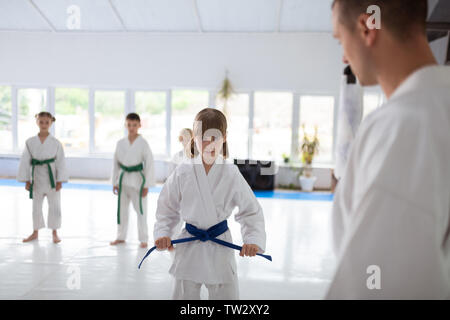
point(299, 62)
point(303, 63)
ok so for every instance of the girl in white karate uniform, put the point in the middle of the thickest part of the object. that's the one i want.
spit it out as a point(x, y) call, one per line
point(42, 167)
point(185, 138)
point(133, 174)
point(203, 191)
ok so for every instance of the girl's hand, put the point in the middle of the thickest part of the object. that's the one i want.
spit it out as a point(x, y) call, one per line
point(164, 243)
point(27, 185)
point(249, 250)
point(58, 186)
point(116, 190)
point(144, 192)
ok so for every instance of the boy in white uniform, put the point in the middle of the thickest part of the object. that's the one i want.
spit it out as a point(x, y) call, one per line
point(133, 174)
point(203, 191)
point(43, 169)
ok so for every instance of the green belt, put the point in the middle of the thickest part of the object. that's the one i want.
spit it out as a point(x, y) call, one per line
point(136, 168)
point(34, 163)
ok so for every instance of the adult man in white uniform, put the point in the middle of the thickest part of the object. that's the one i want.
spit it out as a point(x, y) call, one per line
point(392, 205)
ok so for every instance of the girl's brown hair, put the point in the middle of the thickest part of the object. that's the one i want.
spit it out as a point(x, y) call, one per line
point(184, 130)
point(45, 114)
point(210, 119)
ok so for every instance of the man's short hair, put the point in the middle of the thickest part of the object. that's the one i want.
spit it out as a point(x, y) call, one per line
point(403, 18)
point(133, 116)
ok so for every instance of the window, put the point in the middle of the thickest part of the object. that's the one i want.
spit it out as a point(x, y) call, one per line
point(185, 105)
point(318, 111)
point(6, 139)
point(236, 112)
point(30, 102)
point(151, 107)
point(272, 125)
point(72, 115)
point(371, 102)
point(109, 120)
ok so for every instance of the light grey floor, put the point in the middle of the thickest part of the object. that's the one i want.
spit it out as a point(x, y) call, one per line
point(298, 238)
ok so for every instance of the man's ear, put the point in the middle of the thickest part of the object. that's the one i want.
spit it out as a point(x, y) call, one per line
point(367, 35)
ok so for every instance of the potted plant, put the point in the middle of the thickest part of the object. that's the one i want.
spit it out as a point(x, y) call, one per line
point(308, 149)
point(225, 93)
point(285, 157)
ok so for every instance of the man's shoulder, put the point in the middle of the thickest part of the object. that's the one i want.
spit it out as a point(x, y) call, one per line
point(421, 110)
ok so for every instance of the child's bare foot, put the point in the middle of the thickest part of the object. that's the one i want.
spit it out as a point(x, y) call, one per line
point(116, 242)
point(56, 239)
point(32, 237)
point(143, 245)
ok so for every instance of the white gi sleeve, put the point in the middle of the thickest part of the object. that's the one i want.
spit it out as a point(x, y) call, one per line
point(62, 174)
point(250, 215)
point(24, 173)
point(149, 168)
point(116, 168)
point(168, 209)
point(392, 240)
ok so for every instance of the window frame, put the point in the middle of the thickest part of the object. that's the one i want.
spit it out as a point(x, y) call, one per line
point(336, 100)
point(129, 106)
point(293, 141)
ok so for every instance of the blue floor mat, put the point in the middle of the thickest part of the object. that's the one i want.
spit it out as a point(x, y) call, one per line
point(309, 196)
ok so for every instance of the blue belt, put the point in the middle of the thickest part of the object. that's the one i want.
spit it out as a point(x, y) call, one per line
point(206, 235)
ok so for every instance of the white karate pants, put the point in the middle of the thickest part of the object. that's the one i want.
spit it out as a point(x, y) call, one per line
point(54, 208)
point(130, 194)
point(190, 290)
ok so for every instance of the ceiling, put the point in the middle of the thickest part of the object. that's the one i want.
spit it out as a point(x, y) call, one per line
point(439, 19)
point(168, 15)
point(245, 16)
point(440, 11)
